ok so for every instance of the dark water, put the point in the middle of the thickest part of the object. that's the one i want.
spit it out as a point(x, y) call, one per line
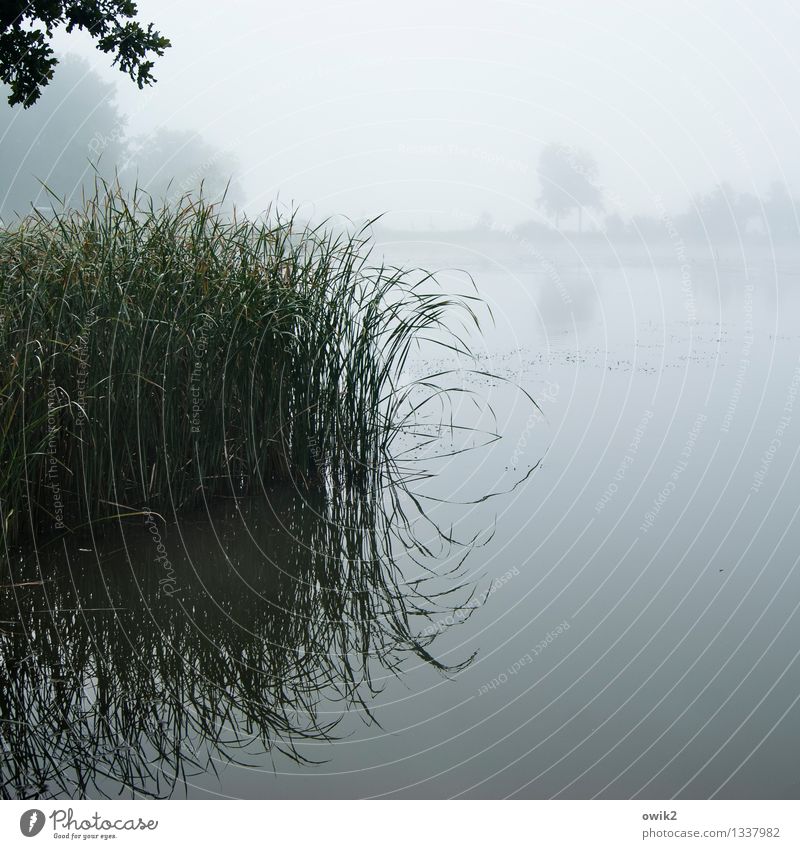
point(635, 611)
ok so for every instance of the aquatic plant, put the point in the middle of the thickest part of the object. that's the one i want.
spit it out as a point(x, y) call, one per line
point(154, 357)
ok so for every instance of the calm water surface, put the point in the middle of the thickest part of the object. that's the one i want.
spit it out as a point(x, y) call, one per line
point(638, 631)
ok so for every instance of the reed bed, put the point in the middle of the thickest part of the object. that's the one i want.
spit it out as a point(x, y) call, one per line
point(153, 357)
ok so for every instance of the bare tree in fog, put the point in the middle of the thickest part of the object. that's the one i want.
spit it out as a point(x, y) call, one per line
point(568, 179)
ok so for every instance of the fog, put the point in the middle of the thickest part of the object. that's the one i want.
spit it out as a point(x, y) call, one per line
point(436, 113)
point(604, 461)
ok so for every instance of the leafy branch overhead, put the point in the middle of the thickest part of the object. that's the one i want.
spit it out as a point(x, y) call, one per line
point(27, 60)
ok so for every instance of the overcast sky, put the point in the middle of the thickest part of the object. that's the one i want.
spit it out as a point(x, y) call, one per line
point(436, 110)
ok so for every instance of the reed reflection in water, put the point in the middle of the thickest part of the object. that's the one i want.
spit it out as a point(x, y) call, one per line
point(266, 623)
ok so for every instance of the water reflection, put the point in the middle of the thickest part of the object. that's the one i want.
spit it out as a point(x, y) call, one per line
point(130, 672)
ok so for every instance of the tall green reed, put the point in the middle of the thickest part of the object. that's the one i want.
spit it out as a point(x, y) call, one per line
point(152, 357)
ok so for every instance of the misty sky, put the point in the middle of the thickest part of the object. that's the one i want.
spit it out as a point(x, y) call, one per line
point(436, 111)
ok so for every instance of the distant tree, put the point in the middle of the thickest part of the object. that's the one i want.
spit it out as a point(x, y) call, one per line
point(648, 228)
point(27, 60)
point(614, 225)
point(484, 221)
point(781, 212)
point(75, 131)
point(722, 214)
point(532, 230)
point(568, 179)
point(171, 163)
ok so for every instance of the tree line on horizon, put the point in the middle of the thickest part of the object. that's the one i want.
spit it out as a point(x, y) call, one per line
point(569, 184)
point(569, 188)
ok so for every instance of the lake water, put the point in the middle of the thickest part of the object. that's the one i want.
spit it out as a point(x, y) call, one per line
point(637, 633)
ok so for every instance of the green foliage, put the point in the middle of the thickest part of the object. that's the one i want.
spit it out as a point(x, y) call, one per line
point(27, 60)
point(150, 357)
